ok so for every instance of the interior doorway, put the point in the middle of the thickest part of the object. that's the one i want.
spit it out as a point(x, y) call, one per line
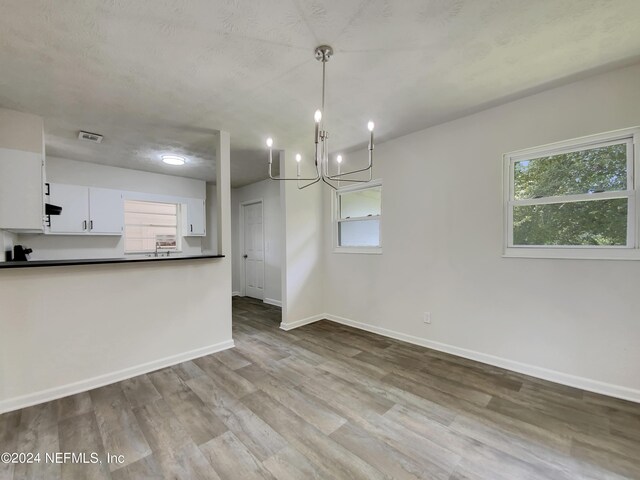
point(252, 247)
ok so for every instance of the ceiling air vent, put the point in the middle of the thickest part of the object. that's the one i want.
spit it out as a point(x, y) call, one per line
point(90, 137)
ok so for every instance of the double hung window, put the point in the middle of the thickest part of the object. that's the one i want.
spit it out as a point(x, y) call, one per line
point(358, 217)
point(575, 199)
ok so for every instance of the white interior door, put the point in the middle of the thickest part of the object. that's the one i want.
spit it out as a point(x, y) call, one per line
point(253, 255)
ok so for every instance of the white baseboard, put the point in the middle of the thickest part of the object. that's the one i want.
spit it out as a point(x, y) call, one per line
point(304, 321)
point(108, 378)
point(583, 383)
point(235, 294)
point(271, 301)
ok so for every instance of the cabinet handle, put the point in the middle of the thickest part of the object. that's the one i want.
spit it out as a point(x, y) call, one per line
point(84, 225)
point(91, 225)
point(192, 227)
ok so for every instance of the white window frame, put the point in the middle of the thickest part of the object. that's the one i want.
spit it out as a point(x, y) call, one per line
point(630, 251)
point(179, 216)
point(335, 207)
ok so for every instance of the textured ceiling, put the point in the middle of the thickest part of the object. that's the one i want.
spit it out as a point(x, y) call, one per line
point(157, 76)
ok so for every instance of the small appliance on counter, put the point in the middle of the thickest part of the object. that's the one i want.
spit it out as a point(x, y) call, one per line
point(20, 253)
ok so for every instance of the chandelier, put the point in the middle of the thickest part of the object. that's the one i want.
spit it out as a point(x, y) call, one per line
point(321, 138)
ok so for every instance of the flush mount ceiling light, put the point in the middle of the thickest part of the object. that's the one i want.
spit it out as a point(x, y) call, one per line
point(173, 160)
point(321, 138)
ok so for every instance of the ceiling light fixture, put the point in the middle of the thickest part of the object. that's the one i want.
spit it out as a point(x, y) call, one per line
point(173, 160)
point(321, 138)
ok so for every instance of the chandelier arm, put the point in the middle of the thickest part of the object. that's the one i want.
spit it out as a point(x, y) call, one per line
point(340, 175)
point(318, 170)
point(325, 155)
point(294, 179)
point(350, 180)
point(313, 180)
point(308, 184)
point(316, 178)
point(368, 167)
point(325, 181)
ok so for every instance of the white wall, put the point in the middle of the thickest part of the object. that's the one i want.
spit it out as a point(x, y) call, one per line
point(269, 192)
point(210, 242)
point(60, 170)
point(302, 289)
point(574, 321)
point(68, 329)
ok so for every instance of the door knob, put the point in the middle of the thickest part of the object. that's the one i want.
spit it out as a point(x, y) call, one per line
point(245, 256)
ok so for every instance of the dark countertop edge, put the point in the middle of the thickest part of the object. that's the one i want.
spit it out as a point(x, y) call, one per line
point(99, 261)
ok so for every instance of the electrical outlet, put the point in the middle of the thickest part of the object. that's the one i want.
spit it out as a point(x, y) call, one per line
point(427, 318)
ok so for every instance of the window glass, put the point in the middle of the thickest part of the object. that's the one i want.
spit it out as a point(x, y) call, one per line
point(361, 203)
point(600, 169)
point(359, 233)
point(150, 226)
point(601, 222)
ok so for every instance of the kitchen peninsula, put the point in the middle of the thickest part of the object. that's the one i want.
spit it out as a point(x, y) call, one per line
point(96, 315)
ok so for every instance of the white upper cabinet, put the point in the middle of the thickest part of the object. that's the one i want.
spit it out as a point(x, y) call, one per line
point(21, 172)
point(74, 201)
point(194, 220)
point(21, 191)
point(106, 211)
point(86, 210)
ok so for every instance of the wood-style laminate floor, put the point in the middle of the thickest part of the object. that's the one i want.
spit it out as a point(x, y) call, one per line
point(327, 401)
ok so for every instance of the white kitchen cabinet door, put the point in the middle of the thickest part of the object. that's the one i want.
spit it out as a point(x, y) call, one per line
point(74, 201)
point(195, 225)
point(106, 211)
point(21, 195)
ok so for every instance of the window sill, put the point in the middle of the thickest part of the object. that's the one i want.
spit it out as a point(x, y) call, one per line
point(359, 250)
point(585, 253)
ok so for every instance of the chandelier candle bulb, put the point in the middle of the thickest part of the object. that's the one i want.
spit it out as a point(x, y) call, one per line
point(270, 144)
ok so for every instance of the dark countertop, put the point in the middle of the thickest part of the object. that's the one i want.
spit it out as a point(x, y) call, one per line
point(98, 261)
